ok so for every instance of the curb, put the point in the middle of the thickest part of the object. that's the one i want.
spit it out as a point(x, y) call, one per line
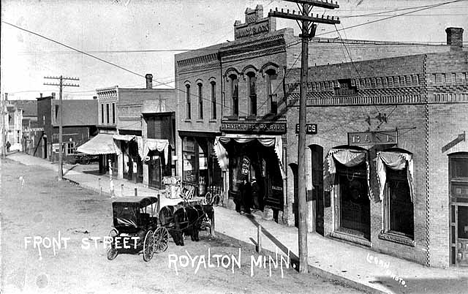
point(103, 192)
point(312, 270)
point(317, 271)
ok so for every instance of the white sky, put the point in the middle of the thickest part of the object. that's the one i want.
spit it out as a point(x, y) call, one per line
point(101, 27)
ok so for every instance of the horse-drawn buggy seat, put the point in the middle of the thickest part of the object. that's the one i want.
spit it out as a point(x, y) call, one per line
point(136, 228)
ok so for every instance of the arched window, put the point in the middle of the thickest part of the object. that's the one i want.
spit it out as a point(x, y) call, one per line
point(234, 95)
point(252, 81)
point(271, 78)
point(188, 103)
point(200, 100)
point(213, 100)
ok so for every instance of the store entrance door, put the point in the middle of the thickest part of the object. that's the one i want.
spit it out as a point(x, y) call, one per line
point(459, 232)
point(155, 171)
point(458, 166)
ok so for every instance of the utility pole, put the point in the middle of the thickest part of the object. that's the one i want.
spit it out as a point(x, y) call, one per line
point(61, 85)
point(308, 27)
point(4, 122)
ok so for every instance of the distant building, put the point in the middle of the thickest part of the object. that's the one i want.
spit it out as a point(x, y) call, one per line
point(138, 120)
point(29, 122)
point(79, 124)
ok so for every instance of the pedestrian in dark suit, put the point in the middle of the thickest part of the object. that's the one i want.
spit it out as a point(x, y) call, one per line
point(255, 194)
point(238, 197)
point(246, 193)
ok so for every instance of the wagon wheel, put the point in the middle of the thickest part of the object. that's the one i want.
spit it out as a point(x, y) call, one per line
point(161, 239)
point(148, 246)
point(111, 250)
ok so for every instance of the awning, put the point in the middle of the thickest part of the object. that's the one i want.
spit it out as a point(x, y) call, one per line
point(394, 160)
point(349, 158)
point(267, 141)
point(100, 144)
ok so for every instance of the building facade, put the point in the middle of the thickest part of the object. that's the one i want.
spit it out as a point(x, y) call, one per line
point(29, 123)
point(364, 112)
point(141, 123)
point(387, 161)
point(78, 126)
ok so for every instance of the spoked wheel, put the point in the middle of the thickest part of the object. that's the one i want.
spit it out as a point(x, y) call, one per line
point(161, 239)
point(148, 246)
point(111, 250)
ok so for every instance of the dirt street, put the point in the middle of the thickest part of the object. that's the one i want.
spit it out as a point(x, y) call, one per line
point(51, 242)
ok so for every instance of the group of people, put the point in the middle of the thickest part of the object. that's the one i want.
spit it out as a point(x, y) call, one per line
point(248, 196)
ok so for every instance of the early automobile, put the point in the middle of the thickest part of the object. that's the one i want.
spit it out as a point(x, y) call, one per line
point(136, 228)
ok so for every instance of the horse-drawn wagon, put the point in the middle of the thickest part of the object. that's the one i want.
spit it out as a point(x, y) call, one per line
point(139, 226)
point(136, 228)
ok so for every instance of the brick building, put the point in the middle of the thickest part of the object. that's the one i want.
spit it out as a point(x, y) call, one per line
point(391, 145)
point(253, 81)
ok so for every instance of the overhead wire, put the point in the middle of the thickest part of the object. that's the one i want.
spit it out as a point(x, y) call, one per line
point(397, 15)
point(167, 83)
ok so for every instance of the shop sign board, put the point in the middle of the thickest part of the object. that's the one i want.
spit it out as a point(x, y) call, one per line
point(253, 127)
point(373, 138)
point(311, 129)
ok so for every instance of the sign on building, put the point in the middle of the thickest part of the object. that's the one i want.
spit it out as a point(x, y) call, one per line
point(373, 138)
point(311, 129)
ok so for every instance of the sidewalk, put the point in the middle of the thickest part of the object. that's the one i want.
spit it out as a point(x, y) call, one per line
point(357, 266)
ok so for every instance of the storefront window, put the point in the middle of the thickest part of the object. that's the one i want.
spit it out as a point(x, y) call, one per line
point(188, 153)
point(399, 205)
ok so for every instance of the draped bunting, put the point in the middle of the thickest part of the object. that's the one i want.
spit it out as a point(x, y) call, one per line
point(221, 154)
point(126, 138)
point(395, 161)
point(349, 158)
point(161, 145)
point(274, 141)
point(141, 147)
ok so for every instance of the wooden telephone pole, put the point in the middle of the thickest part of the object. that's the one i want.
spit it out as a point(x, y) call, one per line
point(308, 27)
point(61, 85)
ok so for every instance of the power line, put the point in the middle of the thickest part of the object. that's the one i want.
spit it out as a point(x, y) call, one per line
point(167, 83)
point(387, 11)
point(393, 16)
point(74, 49)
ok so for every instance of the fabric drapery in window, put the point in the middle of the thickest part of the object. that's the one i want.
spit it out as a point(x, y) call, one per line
point(396, 161)
point(349, 158)
point(271, 141)
point(145, 146)
point(221, 154)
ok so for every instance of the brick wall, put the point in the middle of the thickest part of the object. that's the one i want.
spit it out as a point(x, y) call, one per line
point(448, 119)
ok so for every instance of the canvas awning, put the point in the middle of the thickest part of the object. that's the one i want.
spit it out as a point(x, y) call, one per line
point(267, 141)
point(98, 145)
